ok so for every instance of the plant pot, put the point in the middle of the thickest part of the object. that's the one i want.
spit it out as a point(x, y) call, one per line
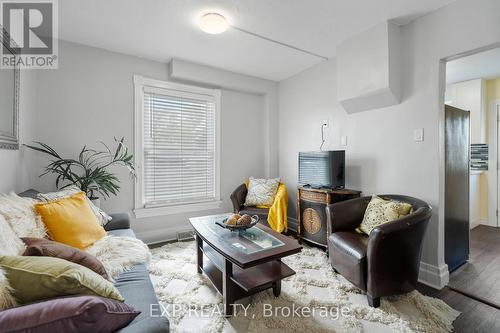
point(96, 202)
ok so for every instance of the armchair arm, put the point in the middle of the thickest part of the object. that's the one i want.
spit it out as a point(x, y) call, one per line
point(345, 215)
point(238, 197)
point(119, 221)
point(394, 252)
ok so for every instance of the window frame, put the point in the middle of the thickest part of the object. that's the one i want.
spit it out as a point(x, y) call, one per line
point(141, 211)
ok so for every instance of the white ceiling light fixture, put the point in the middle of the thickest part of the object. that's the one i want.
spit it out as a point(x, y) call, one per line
point(213, 23)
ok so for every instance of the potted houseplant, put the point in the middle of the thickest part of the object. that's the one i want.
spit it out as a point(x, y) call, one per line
point(90, 171)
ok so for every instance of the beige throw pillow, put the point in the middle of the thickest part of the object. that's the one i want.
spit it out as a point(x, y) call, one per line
point(261, 192)
point(380, 211)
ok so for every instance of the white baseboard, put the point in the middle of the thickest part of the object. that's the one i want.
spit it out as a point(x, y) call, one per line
point(161, 235)
point(433, 276)
point(487, 222)
point(474, 223)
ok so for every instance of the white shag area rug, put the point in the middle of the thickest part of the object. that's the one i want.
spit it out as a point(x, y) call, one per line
point(192, 304)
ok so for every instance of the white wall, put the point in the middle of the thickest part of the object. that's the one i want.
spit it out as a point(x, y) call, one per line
point(490, 183)
point(475, 199)
point(381, 154)
point(470, 96)
point(369, 69)
point(186, 71)
point(14, 174)
point(90, 98)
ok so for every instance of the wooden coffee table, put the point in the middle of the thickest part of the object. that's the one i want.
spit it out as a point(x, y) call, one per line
point(241, 263)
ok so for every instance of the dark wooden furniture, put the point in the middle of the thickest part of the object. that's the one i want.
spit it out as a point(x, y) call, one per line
point(311, 204)
point(241, 263)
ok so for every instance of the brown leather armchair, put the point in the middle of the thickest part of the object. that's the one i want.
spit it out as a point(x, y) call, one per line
point(384, 263)
point(238, 198)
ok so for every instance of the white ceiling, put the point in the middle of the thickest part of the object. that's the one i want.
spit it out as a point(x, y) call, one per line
point(485, 65)
point(162, 29)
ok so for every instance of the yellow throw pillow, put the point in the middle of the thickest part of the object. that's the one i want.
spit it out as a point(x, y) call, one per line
point(380, 211)
point(71, 221)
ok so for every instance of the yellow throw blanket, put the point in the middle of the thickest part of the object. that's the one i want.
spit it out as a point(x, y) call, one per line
point(277, 218)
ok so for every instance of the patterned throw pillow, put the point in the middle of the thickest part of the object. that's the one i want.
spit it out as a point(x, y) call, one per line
point(380, 211)
point(261, 192)
point(102, 217)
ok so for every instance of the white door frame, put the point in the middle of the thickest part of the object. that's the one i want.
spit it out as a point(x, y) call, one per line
point(493, 163)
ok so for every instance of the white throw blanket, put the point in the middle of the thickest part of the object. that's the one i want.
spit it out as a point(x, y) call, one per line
point(119, 254)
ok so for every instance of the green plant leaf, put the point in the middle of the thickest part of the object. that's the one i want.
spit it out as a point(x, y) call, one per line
point(90, 171)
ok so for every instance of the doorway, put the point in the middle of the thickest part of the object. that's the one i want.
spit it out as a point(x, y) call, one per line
point(472, 239)
point(495, 107)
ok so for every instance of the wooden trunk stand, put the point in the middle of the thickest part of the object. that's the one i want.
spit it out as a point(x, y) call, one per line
point(311, 211)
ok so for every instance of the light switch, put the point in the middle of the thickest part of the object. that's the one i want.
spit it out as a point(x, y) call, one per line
point(343, 140)
point(418, 135)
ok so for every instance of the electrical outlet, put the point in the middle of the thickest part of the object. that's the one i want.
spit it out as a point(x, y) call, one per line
point(418, 135)
point(343, 140)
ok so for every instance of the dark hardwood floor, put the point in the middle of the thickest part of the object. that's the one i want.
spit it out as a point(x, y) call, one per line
point(480, 276)
point(475, 316)
point(474, 288)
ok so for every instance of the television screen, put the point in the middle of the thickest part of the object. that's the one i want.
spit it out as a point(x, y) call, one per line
point(322, 169)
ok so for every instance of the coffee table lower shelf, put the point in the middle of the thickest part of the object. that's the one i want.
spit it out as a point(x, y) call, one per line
point(233, 282)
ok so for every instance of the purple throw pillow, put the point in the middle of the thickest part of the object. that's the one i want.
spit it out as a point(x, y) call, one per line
point(80, 314)
point(42, 247)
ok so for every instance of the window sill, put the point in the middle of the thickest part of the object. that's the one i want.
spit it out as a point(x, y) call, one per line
point(177, 209)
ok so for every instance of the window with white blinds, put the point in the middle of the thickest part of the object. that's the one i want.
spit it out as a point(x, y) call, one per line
point(180, 147)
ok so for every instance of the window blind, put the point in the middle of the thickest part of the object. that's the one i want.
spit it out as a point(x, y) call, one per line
point(179, 147)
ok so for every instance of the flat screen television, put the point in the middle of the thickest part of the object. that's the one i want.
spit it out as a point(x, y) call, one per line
point(322, 169)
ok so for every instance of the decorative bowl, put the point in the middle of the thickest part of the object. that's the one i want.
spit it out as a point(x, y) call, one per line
point(255, 220)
